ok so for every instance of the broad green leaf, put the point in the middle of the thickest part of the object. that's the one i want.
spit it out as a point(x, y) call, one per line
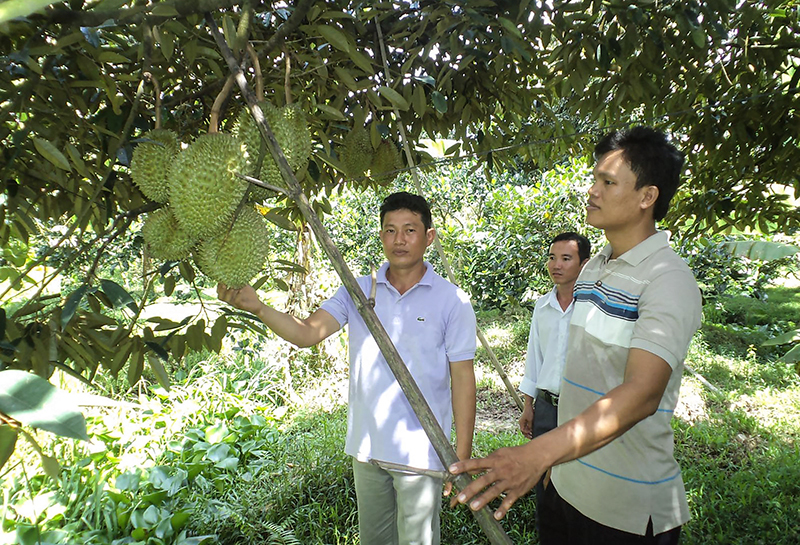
point(8, 441)
point(439, 102)
point(112, 57)
point(792, 356)
point(35, 402)
point(331, 111)
point(362, 61)
point(164, 10)
point(71, 305)
point(335, 37)
point(394, 97)
point(51, 466)
point(158, 370)
point(760, 249)
point(788, 337)
point(118, 295)
point(11, 9)
point(281, 221)
point(47, 150)
point(216, 433)
point(346, 78)
point(77, 160)
point(169, 285)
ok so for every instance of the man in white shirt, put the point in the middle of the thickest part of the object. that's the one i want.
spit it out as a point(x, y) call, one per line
point(547, 342)
point(398, 475)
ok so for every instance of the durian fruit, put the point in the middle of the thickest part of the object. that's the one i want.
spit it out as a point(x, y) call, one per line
point(150, 163)
point(234, 256)
point(357, 152)
point(386, 163)
point(164, 238)
point(290, 127)
point(204, 187)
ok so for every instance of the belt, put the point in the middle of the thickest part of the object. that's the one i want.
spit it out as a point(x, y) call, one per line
point(550, 397)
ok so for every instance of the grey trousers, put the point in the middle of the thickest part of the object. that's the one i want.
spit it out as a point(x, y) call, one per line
point(396, 508)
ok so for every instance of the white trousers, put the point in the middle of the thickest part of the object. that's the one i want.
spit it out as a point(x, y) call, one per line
point(396, 508)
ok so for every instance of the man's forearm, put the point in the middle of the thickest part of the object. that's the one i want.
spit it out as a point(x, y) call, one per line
point(463, 387)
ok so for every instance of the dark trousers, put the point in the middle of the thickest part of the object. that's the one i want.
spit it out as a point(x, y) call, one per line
point(545, 418)
point(562, 524)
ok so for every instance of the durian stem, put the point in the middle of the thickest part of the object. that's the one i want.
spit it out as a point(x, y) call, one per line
point(441, 443)
point(287, 83)
point(150, 77)
point(265, 185)
point(216, 109)
point(439, 248)
point(259, 78)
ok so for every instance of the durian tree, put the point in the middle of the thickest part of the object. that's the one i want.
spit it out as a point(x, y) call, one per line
point(85, 85)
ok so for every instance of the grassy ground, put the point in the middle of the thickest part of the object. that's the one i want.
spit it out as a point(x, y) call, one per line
point(243, 451)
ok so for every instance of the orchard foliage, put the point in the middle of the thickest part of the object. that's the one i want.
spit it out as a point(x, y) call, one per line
point(514, 82)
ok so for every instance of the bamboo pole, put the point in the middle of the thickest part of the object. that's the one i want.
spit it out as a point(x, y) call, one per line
point(491, 527)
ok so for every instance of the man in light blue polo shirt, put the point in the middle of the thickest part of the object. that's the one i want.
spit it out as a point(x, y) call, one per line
point(614, 478)
point(398, 476)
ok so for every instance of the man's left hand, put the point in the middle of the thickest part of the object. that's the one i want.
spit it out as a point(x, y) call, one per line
point(511, 471)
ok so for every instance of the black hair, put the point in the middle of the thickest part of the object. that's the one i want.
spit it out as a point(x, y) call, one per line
point(584, 246)
point(652, 159)
point(407, 201)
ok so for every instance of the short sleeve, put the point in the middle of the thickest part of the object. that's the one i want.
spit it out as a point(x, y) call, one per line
point(670, 310)
point(460, 343)
point(339, 306)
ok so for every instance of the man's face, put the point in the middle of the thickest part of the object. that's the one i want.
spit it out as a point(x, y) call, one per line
point(614, 202)
point(564, 264)
point(404, 238)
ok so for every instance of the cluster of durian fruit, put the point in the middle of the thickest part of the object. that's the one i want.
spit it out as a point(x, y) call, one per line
point(359, 158)
point(209, 213)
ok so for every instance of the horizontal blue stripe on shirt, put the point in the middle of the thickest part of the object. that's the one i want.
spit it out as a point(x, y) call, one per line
point(599, 393)
point(622, 477)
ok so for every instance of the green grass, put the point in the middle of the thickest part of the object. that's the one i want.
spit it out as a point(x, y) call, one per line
point(248, 453)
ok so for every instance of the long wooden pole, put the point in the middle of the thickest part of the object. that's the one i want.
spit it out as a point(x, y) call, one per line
point(491, 527)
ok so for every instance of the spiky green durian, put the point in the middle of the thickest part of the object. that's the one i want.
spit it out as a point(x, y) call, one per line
point(357, 152)
point(164, 238)
point(291, 131)
point(386, 163)
point(235, 255)
point(151, 160)
point(204, 187)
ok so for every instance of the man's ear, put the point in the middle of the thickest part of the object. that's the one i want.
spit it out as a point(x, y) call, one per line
point(649, 196)
point(430, 234)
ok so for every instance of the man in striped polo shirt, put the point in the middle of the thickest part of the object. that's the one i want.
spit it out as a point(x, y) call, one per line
point(614, 477)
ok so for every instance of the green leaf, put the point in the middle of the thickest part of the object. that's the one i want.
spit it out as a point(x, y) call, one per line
point(11, 9)
point(335, 37)
point(394, 97)
point(35, 402)
point(281, 221)
point(785, 338)
point(164, 10)
point(158, 370)
point(439, 102)
point(793, 355)
point(760, 249)
point(47, 150)
point(71, 305)
point(112, 57)
point(118, 295)
point(51, 466)
point(331, 112)
point(8, 441)
point(362, 61)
